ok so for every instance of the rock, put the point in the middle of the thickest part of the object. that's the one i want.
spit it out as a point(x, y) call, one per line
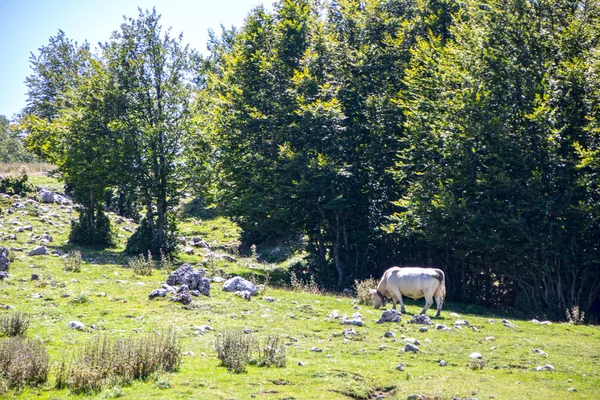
point(442, 363)
point(195, 293)
point(229, 258)
point(28, 228)
point(475, 355)
point(540, 352)
point(38, 251)
point(411, 348)
point(535, 321)
point(47, 197)
point(244, 294)
point(188, 250)
point(316, 349)
point(353, 321)
point(181, 240)
point(183, 295)
point(300, 364)
point(4, 262)
point(455, 315)
point(3, 275)
point(415, 397)
point(194, 279)
point(545, 323)
point(389, 316)
point(546, 367)
point(389, 334)
point(399, 367)
point(423, 329)
point(199, 242)
point(35, 277)
point(238, 283)
point(420, 319)
point(268, 299)
point(168, 288)
point(411, 341)
point(76, 325)
point(571, 390)
point(460, 322)
point(490, 338)
point(349, 332)
point(335, 314)
point(157, 293)
point(441, 327)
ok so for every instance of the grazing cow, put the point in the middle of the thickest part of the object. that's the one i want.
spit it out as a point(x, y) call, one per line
point(412, 282)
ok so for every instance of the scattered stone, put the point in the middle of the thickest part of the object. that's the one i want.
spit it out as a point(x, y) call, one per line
point(461, 322)
point(546, 367)
point(38, 251)
point(420, 319)
point(356, 308)
point(475, 355)
point(188, 250)
point(441, 327)
point(244, 294)
point(238, 283)
point(491, 321)
point(540, 352)
point(571, 390)
point(507, 323)
point(442, 363)
point(3, 275)
point(4, 262)
point(389, 334)
point(268, 299)
point(411, 348)
point(416, 397)
point(399, 367)
point(353, 321)
point(490, 338)
point(35, 277)
point(455, 315)
point(569, 380)
point(199, 242)
point(194, 279)
point(37, 296)
point(545, 323)
point(316, 349)
point(169, 288)
point(229, 258)
point(411, 340)
point(535, 321)
point(195, 293)
point(157, 293)
point(183, 295)
point(334, 314)
point(349, 332)
point(300, 364)
point(423, 329)
point(76, 325)
point(389, 316)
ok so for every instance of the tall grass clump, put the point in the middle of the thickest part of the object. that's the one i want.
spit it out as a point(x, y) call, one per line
point(23, 362)
point(73, 261)
point(15, 324)
point(363, 288)
point(309, 286)
point(234, 350)
point(272, 353)
point(141, 265)
point(104, 362)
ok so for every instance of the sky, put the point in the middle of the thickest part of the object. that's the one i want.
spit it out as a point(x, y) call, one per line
point(27, 25)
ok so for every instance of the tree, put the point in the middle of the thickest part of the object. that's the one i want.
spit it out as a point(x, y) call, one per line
point(152, 71)
point(12, 149)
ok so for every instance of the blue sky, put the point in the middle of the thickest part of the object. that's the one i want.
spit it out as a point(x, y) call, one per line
point(26, 25)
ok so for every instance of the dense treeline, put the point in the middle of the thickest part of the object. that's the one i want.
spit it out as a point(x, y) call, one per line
point(456, 134)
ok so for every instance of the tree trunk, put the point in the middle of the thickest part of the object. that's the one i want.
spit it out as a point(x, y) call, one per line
point(90, 214)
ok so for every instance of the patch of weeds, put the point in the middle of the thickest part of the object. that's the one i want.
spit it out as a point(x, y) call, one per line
point(80, 299)
point(15, 324)
point(73, 261)
point(234, 350)
point(113, 393)
point(162, 382)
point(309, 286)
point(23, 363)
point(141, 265)
point(166, 262)
point(363, 290)
point(103, 362)
point(575, 316)
point(272, 353)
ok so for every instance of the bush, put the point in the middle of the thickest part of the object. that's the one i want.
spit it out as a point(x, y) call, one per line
point(363, 290)
point(101, 234)
point(574, 316)
point(272, 353)
point(104, 362)
point(309, 285)
point(73, 261)
point(234, 350)
point(15, 324)
point(16, 185)
point(23, 363)
point(142, 241)
point(141, 265)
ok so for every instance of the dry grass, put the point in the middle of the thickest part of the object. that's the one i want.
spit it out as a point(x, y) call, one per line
point(14, 169)
point(272, 353)
point(23, 363)
point(234, 350)
point(73, 261)
point(363, 288)
point(141, 265)
point(15, 324)
point(103, 362)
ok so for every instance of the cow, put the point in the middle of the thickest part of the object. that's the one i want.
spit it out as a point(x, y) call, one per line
point(412, 282)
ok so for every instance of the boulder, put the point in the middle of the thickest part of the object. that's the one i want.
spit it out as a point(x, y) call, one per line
point(183, 295)
point(194, 279)
point(389, 316)
point(475, 355)
point(46, 196)
point(244, 294)
point(76, 325)
point(157, 293)
point(238, 283)
point(420, 319)
point(4, 259)
point(411, 348)
point(38, 251)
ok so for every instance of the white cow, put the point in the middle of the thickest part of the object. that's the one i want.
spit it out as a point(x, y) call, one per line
point(412, 282)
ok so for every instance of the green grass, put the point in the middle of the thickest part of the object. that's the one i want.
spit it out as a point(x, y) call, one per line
point(349, 367)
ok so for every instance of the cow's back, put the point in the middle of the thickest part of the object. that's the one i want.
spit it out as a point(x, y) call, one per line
point(414, 282)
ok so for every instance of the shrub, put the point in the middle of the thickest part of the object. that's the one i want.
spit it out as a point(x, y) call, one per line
point(73, 261)
point(15, 324)
point(103, 362)
point(574, 316)
point(23, 363)
point(363, 289)
point(272, 353)
point(80, 299)
point(141, 265)
point(142, 240)
point(16, 185)
point(309, 286)
point(234, 350)
point(100, 234)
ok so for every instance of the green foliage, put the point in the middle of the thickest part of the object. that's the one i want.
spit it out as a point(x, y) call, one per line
point(100, 233)
point(16, 185)
point(143, 240)
point(12, 149)
point(363, 290)
point(73, 261)
point(141, 265)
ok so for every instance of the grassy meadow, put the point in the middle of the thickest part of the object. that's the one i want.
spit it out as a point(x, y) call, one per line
point(113, 302)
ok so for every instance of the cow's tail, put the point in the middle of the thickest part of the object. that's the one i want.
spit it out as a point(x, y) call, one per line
point(441, 289)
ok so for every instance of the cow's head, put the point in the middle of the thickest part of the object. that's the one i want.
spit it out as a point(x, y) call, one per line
point(378, 299)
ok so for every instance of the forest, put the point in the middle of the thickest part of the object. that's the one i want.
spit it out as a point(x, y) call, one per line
point(462, 135)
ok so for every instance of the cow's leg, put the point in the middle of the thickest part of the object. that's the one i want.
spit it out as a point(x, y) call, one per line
point(428, 303)
point(397, 296)
point(438, 301)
